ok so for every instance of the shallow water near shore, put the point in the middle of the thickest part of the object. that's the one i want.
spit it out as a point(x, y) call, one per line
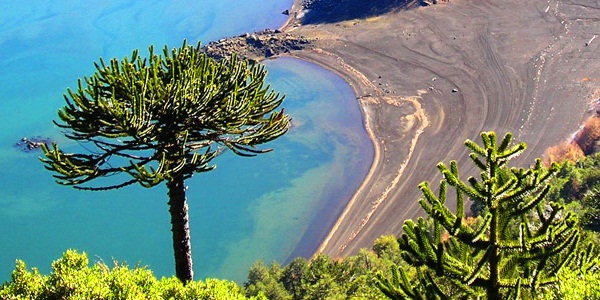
point(245, 210)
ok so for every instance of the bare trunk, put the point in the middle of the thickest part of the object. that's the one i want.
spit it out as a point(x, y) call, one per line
point(493, 291)
point(181, 229)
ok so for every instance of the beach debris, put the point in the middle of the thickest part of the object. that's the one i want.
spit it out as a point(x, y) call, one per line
point(591, 40)
point(431, 2)
point(31, 144)
point(455, 90)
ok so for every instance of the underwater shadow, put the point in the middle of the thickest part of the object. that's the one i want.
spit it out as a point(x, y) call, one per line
point(332, 11)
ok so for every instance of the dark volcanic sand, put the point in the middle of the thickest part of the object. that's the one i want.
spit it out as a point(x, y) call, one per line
point(430, 77)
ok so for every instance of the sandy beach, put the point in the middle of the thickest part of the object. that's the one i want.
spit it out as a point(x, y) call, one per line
point(429, 77)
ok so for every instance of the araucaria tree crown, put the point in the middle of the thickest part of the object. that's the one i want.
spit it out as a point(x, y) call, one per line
point(162, 118)
point(513, 249)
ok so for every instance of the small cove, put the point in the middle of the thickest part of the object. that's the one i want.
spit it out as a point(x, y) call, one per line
point(247, 209)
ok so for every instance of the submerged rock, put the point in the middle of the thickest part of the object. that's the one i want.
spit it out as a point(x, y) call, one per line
point(31, 144)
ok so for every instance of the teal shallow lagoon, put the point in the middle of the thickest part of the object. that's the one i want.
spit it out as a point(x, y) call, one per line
point(245, 210)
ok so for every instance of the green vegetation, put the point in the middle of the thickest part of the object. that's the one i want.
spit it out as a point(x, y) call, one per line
point(321, 278)
point(520, 246)
point(73, 278)
point(578, 186)
point(579, 280)
point(515, 248)
point(162, 119)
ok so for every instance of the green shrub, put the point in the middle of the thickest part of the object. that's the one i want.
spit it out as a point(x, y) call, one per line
point(580, 281)
point(578, 285)
point(73, 278)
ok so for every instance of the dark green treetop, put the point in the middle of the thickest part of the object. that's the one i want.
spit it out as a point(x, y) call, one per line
point(515, 248)
point(162, 118)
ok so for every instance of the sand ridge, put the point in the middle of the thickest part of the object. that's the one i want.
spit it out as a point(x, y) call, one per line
point(427, 78)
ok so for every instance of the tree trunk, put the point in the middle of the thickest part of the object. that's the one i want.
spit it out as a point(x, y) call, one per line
point(493, 291)
point(181, 229)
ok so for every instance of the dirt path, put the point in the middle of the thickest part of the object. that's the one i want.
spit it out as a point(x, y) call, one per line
point(431, 77)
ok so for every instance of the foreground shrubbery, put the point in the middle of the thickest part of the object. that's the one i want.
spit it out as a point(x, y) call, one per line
point(322, 278)
point(353, 277)
point(578, 185)
point(580, 282)
point(574, 275)
point(73, 278)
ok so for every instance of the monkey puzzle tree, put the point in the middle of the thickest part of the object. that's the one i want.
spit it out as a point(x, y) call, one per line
point(162, 119)
point(516, 246)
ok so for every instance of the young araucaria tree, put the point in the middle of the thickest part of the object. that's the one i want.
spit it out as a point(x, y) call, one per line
point(162, 119)
point(515, 248)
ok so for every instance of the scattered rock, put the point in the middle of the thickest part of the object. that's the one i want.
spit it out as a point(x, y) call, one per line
point(266, 43)
point(269, 52)
point(31, 144)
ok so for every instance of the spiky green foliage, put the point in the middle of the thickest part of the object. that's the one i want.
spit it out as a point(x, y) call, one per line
point(513, 250)
point(580, 280)
point(162, 118)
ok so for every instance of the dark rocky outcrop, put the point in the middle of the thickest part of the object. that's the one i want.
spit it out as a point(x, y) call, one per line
point(258, 45)
point(332, 11)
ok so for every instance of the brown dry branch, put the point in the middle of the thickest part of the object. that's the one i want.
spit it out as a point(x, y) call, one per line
point(565, 151)
point(587, 136)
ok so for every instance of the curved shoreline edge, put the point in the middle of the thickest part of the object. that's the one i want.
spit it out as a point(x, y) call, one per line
point(423, 88)
point(361, 86)
point(353, 81)
point(367, 94)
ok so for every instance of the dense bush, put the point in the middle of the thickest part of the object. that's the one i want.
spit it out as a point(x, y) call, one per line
point(325, 278)
point(577, 184)
point(322, 278)
point(577, 284)
point(73, 278)
point(580, 281)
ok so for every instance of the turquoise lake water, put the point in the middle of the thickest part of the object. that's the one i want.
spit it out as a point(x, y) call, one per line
point(269, 207)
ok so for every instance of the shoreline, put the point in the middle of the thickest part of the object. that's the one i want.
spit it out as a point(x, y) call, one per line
point(423, 88)
point(360, 84)
point(366, 94)
point(376, 148)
